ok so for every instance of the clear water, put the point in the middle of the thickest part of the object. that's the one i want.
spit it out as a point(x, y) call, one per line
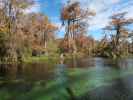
point(76, 79)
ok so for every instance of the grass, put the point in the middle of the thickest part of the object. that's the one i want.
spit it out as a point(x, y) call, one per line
point(40, 59)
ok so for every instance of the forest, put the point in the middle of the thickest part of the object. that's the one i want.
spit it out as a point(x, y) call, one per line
point(25, 35)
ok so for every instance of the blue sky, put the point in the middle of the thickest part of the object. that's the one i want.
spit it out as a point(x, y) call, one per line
point(103, 8)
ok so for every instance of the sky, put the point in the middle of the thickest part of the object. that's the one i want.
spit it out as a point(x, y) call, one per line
point(103, 8)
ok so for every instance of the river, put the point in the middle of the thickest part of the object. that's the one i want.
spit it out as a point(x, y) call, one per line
point(75, 79)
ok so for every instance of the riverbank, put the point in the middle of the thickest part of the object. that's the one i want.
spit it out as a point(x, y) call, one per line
point(40, 59)
point(56, 58)
point(50, 58)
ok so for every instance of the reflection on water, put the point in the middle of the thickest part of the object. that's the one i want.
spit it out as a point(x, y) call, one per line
point(61, 73)
point(119, 89)
point(76, 79)
point(26, 71)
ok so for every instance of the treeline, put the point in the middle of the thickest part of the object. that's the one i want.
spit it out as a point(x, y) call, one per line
point(33, 34)
point(23, 34)
point(118, 39)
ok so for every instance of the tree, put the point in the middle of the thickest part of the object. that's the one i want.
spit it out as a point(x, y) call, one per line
point(73, 16)
point(11, 9)
point(120, 32)
point(85, 44)
point(38, 31)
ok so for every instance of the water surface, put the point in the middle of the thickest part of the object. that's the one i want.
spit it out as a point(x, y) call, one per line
point(79, 79)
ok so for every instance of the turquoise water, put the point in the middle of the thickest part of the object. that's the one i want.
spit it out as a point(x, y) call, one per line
point(79, 79)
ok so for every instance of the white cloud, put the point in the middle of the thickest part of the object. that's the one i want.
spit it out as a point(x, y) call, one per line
point(104, 9)
point(115, 1)
point(34, 8)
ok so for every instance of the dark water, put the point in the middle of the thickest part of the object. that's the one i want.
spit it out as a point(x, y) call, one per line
point(79, 79)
